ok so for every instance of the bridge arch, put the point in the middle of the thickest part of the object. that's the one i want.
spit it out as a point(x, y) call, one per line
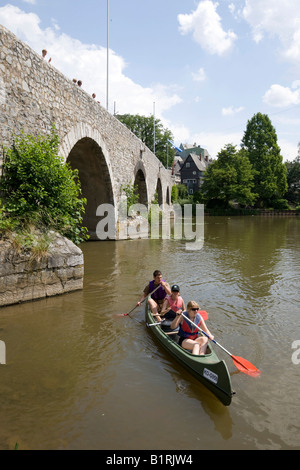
point(168, 199)
point(140, 182)
point(84, 149)
point(159, 192)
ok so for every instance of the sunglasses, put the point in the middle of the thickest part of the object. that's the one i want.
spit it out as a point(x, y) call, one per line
point(194, 309)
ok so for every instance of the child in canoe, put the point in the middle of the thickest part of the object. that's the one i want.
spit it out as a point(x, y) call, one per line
point(172, 304)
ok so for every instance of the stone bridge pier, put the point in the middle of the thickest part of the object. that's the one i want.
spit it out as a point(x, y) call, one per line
point(34, 95)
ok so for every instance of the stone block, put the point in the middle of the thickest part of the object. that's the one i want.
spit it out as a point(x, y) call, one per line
point(23, 279)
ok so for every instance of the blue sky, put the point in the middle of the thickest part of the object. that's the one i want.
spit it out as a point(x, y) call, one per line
point(208, 66)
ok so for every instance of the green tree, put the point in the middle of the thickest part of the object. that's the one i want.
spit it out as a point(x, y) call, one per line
point(293, 179)
point(260, 143)
point(183, 192)
point(38, 188)
point(143, 128)
point(243, 189)
point(174, 193)
point(229, 178)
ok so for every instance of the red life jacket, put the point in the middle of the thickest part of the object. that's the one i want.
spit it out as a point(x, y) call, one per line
point(187, 330)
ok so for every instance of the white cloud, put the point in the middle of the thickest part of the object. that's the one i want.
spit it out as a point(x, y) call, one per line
point(296, 84)
point(287, 121)
point(231, 110)
point(215, 141)
point(276, 19)
point(280, 96)
point(288, 150)
point(199, 76)
point(231, 8)
point(293, 50)
point(205, 25)
point(178, 130)
point(25, 26)
point(55, 24)
point(87, 63)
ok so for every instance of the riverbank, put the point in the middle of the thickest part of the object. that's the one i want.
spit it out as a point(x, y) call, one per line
point(259, 212)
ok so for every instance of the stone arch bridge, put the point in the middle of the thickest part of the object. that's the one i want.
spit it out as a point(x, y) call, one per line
point(34, 95)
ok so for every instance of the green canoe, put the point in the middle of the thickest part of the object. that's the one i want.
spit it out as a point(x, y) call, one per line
point(208, 369)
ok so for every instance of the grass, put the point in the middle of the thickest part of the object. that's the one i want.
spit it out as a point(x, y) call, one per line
point(26, 238)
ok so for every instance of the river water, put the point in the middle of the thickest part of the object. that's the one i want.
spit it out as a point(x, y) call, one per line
point(79, 377)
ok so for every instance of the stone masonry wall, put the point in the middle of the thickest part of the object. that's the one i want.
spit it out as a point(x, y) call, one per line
point(23, 279)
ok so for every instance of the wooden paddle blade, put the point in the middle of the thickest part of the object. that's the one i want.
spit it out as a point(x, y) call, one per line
point(245, 366)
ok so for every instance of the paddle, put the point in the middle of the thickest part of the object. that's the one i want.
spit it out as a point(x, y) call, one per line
point(203, 314)
point(153, 324)
point(241, 364)
point(125, 314)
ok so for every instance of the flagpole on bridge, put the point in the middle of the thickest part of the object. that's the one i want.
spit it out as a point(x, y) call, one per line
point(107, 56)
point(154, 127)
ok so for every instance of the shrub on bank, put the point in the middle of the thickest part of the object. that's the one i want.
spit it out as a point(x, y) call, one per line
point(38, 191)
point(281, 204)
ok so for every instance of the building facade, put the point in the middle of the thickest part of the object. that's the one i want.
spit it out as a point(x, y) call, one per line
point(192, 163)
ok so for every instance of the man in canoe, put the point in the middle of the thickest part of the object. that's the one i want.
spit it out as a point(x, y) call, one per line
point(189, 336)
point(172, 304)
point(161, 288)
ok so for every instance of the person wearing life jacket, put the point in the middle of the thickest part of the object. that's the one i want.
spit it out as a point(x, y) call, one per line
point(161, 288)
point(189, 336)
point(172, 304)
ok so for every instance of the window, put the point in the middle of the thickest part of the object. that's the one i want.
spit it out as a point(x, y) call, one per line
point(189, 181)
point(194, 172)
point(188, 165)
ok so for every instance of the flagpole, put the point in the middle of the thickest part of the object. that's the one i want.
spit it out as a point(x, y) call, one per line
point(154, 127)
point(167, 155)
point(107, 55)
